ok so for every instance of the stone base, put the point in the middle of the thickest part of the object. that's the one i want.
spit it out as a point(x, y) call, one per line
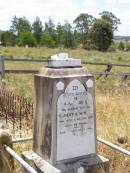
point(91, 165)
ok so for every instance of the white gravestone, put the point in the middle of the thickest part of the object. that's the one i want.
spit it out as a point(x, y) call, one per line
point(75, 122)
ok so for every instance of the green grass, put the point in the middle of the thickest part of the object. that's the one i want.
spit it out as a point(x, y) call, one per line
point(42, 52)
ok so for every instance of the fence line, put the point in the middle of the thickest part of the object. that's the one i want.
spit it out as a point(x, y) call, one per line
point(15, 109)
point(20, 160)
point(21, 71)
point(105, 64)
point(93, 72)
point(21, 140)
point(120, 149)
point(32, 170)
point(109, 144)
point(46, 59)
point(106, 72)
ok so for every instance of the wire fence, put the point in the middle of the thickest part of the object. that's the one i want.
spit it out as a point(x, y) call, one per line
point(15, 111)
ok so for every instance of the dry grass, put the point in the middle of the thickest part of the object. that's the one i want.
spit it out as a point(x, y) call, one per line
point(113, 119)
point(19, 148)
point(113, 112)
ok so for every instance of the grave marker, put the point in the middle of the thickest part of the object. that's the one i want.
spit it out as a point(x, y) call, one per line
point(64, 122)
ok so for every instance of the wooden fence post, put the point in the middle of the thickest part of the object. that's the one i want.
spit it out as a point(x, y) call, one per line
point(6, 161)
point(2, 67)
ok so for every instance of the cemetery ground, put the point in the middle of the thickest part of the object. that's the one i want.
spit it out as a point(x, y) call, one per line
point(112, 97)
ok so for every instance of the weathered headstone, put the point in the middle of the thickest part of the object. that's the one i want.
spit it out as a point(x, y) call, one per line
point(64, 122)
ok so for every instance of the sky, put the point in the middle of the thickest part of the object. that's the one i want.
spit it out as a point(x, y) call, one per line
point(60, 10)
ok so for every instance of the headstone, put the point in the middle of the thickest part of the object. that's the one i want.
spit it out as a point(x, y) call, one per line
point(26, 46)
point(75, 121)
point(64, 122)
point(65, 105)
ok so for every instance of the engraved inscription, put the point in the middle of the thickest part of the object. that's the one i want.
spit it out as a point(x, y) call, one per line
point(75, 120)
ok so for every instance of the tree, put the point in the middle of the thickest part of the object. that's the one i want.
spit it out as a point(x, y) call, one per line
point(60, 34)
point(111, 19)
point(37, 29)
point(7, 39)
point(27, 38)
point(101, 34)
point(69, 40)
point(121, 46)
point(47, 40)
point(50, 29)
point(77, 37)
point(19, 25)
point(83, 24)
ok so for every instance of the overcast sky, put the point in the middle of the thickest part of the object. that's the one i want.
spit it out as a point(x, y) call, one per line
point(60, 10)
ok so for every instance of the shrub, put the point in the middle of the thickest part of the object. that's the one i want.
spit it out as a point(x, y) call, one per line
point(7, 38)
point(121, 46)
point(128, 47)
point(26, 38)
point(101, 35)
point(88, 46)
point(47, 40)
point(112, 48)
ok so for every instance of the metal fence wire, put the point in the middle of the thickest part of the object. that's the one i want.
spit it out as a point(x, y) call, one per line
point(16, 111)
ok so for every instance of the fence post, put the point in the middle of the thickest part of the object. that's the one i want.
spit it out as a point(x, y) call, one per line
point(2, 67)
point(6, 161)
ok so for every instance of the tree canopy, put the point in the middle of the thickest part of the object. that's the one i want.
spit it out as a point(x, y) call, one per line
point(69, 40)
point(111, 19)
point(37, 29)
point(86, 31)
point(26, 38)
point(19, 25)
point(83, 24)
point(7, 39)
point(47, 40)
point(101, 35)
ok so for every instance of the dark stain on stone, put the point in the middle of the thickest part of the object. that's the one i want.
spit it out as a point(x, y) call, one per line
point(46, 148)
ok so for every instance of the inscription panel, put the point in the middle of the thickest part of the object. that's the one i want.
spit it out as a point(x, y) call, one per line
point(75, 122)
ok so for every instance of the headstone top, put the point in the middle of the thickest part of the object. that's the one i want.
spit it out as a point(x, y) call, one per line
point(62, 60)
point(60, 56)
